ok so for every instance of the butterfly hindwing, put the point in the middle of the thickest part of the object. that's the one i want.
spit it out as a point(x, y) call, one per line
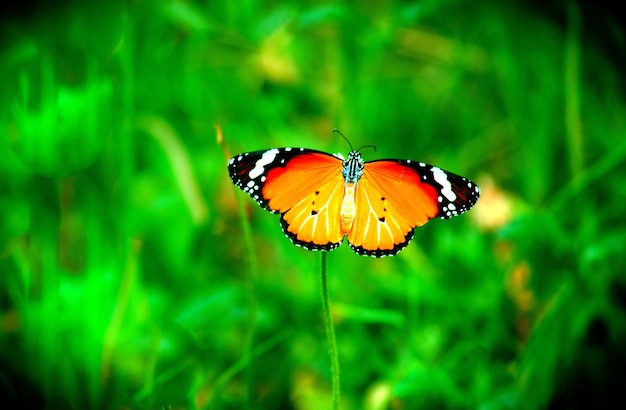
point(379, 229)
point(303, 185)
point(313, 223)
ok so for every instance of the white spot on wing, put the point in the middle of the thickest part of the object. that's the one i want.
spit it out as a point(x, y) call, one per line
point(446, 186)
point(267, 158)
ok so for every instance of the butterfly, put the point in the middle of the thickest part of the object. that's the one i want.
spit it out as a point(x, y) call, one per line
point(322, 197)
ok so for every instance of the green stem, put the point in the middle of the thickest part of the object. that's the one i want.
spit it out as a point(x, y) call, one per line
point(330, 335)
point(573, 122)
point(252, 305)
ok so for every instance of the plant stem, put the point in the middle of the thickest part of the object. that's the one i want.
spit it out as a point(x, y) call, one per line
point(573, 122)
point(252, 306)
point(248, 342)
point(330, 335)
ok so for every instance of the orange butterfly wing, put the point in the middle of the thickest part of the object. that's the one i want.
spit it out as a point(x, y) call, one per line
point(395, 196)
point(305, 186)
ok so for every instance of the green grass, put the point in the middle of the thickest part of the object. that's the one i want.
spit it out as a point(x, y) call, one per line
point(134, 275)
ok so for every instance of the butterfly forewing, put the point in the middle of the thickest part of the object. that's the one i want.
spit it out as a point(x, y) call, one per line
point(434, 191)
point(298, 177)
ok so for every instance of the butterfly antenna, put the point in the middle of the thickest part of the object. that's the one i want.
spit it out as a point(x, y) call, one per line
point(344, 137)
point(367, 146)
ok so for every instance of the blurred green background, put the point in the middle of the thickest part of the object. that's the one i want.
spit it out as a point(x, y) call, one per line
point(133, 274)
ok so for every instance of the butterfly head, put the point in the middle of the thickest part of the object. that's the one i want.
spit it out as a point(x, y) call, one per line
point(353, 167)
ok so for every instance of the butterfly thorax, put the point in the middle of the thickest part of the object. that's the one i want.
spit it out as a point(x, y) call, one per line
point(352, 170)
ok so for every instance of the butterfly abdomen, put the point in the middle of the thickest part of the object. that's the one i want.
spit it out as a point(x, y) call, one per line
point(348, 208)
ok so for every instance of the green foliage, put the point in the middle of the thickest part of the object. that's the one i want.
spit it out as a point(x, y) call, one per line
point(133, 275)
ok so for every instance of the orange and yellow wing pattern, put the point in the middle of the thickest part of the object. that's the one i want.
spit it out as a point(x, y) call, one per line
point(396, 196)
point(304, 186)
point(385, 200)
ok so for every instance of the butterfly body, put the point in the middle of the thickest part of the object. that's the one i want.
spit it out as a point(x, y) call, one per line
point(323, 198)
point(348, 208)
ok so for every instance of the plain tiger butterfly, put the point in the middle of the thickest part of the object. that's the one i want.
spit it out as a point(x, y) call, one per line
point(323, 197)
